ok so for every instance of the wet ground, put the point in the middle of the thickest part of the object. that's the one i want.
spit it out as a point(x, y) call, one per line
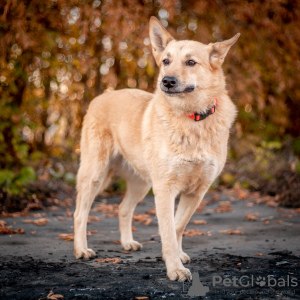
point(246, 250)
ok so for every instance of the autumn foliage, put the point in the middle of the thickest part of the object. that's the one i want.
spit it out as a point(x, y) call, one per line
point(57, 55)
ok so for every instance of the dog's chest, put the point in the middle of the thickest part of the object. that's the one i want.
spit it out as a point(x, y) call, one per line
point(195, 155)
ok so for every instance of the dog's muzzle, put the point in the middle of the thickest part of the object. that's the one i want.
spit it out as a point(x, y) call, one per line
point(170, 85)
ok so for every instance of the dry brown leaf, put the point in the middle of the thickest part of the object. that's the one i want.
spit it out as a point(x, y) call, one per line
point(114, 260)
point(2, 223)
point(90, 232)
point(239, 192)
point(252, 216)
point(59, 218)
point(139, 298)
point(94, 219)
point(53, 296)
point(283, 223)
point(38, 222)
point(142, 218)
point(149, 242)
point(214, 198)
point(286, 216)
point(151, 211)
point(231, 231)
point(193, 232)
point(125, 252)
point(69, 213)
point(239, 264)
point(66, 236)
point(199, 222)
point(70, 236)
point(22, 213)
point(7, 230)
point(52, 208)
point(259, 254)
point(133, 228)
point(108, 210)
point(38, 215)
point(223, 206)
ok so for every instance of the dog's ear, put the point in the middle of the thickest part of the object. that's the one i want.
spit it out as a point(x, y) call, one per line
point(219, 51)
point(159, 38)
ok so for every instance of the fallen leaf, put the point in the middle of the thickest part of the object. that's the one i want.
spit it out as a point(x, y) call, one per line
point(142, 218)
point(259, 254)
point(151, 211)
point(193, 232)
point(149, 242)
point(240, 193)
point(126, 252)
point(60, 218)
point(231, 231)
point(286, 216)
point(94, 219)
point(33, 232)
point(117, 242)
point(133, 229)
point(239, 264)
point(90, 232)
point(199, 222)
point(38, 215)
point(66, 236)
point(267, 218)
point(2, 223)
point(283, 223)
point(108, 210)
point(223, 206)
point(52, 208)
point(7, 230)
point(69, 213)
point(114, 260)
point(139, 298)
point(38, 222)
point(214, 198)
point(252, 216)
point(52, 296)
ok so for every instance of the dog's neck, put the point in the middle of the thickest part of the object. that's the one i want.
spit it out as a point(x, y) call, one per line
point(202, 116)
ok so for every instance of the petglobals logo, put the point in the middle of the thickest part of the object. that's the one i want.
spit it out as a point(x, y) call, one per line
point(252, 281)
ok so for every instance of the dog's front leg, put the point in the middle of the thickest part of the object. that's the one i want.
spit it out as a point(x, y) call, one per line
point(187, 205)
point(164, 201)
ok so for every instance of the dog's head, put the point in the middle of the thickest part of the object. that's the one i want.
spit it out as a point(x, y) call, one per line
point(189, 70)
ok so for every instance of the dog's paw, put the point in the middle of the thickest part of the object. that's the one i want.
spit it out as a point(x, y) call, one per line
point(184, 257)
point(87, 253)
point(180, 274)
point(132, 245)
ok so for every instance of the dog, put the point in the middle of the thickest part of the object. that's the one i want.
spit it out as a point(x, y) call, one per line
point(174, 141)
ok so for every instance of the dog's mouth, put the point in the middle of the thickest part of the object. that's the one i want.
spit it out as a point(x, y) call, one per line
point(172, 91)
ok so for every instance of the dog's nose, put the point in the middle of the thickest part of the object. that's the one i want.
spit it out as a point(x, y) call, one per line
point(169, 81)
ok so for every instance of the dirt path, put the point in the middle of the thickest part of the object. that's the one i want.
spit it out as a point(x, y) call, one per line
point(244, 251)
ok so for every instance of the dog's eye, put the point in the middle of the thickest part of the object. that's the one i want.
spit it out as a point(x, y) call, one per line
point(190, 63)
point(166, 62)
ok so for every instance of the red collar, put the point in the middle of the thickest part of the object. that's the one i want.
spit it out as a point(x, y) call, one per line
point(201, 116)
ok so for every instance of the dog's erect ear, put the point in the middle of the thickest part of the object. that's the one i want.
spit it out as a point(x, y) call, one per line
point(219, 50)
point(159, 38)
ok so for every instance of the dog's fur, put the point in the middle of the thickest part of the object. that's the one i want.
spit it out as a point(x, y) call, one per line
point(149, 140)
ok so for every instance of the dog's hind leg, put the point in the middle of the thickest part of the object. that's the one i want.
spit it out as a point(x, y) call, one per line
point(136, 190)
point(94, 166)
point(187, 205)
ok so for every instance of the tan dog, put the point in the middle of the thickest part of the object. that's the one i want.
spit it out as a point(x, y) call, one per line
point(174, 140)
